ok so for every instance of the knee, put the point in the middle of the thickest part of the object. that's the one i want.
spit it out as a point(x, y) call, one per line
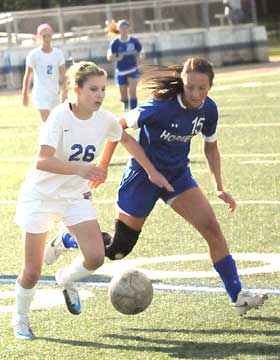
point(212, 227)
point(123, 241)
point(94, 261)
point(31, 275)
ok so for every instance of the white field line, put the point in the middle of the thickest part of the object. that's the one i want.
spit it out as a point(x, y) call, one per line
point(249, 125)
point(16, 159)
point(10, 102)
point(261, 162)
point(19, 134)
point(184, 288)
point(248, 105)
point(57, 298)
point(256, 155)
point(246, 85)
point(213, 202)
point(251, 73)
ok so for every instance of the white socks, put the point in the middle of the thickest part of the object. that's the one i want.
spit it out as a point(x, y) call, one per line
point(23, 301)
point(75, 271)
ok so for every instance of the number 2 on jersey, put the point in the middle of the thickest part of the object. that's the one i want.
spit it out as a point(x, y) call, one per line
point(84, 154)
point(49, 69)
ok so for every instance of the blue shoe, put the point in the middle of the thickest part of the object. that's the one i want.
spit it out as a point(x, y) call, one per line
point(22, 329)
point(72, 300)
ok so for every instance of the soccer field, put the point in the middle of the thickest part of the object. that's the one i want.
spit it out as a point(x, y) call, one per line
point(190, 316)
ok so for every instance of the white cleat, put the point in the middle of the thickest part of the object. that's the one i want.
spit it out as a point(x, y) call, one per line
point(54, 249)
point(248, 300)
point(70, 293)
point(22, 329)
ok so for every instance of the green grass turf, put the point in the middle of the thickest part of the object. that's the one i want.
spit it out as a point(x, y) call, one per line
point(176, 325)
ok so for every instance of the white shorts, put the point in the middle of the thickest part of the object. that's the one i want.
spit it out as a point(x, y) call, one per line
point(36, 216)
point(45, 104)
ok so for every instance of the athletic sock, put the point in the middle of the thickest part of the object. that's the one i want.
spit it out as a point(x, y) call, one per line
point(227, 270)
point(133, 103)
point(69, 241)
point(75, 271)
point(126, 104)
point(23, 299)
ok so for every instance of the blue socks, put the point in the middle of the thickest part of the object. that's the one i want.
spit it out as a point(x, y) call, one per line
point(129, 104)
point(227, 270)
point(133, 103)
point(69, 241)
point(125, 104)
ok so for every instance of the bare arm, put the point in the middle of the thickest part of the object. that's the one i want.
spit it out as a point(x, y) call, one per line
point(213, 158)
point(107, 155)
point(113, 58)
point(26, 85)
point(47, 161)
point(135, 150)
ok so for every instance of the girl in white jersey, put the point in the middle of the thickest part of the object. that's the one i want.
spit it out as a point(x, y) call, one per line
point(47, 65)
point(57, 186)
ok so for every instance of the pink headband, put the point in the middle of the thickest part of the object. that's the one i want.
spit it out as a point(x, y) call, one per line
point(44, 27)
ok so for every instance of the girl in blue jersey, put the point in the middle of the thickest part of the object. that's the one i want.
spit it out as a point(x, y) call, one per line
point(179, 110)
point(125, 51)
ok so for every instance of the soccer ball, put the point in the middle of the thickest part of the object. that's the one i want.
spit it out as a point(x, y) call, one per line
point(131, 292)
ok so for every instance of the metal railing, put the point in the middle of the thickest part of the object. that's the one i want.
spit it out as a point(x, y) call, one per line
point(16, 29)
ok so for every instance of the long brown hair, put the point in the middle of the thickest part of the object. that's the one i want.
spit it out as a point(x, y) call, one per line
point(166, 82)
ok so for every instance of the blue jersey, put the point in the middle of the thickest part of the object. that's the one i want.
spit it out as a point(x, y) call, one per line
point(166, 128)
point(130, 49)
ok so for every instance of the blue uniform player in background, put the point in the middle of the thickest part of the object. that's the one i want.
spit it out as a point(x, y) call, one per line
point(126, 51)
point(179, 110)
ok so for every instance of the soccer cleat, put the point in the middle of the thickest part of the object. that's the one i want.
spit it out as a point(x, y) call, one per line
point(54, 249)
point(22, 329)
point(70, 293)
point(247, 300)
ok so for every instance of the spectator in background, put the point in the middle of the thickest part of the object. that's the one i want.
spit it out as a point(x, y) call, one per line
point(233, 11)
point(126, 51)
point(47, 63)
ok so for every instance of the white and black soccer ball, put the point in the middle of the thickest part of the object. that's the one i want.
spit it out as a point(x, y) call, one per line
point(131, 292)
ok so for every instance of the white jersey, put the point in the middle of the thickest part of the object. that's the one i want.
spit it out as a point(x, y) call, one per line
point(74, 140)
point(45, 67)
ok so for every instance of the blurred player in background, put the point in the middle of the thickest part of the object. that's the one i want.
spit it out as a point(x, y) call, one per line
point(57, 185)
point(47, 65)
point(126, 51)
point(179, 110)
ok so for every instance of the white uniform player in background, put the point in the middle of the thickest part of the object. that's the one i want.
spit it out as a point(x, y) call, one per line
point(47, 65)
point(57, 186)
